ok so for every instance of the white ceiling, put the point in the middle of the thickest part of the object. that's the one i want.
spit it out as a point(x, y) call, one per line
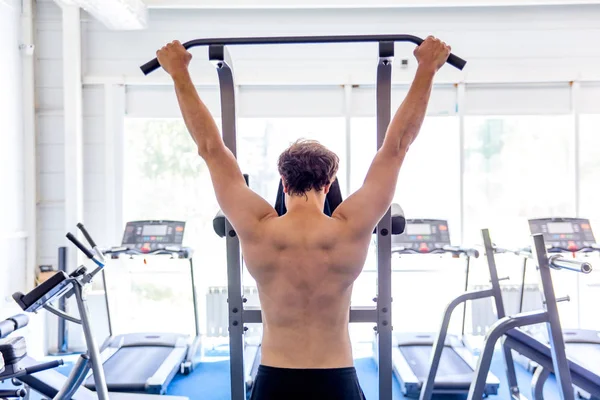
point(241, 4)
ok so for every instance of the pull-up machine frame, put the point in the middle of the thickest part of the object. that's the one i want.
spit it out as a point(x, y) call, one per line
point(238, 315)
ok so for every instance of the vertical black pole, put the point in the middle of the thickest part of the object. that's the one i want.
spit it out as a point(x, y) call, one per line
point(509, 362)
point(384, 229)
point(523, 276)
point(63, 345)
point(464, 316)
point(220, 58)
point(557, 343)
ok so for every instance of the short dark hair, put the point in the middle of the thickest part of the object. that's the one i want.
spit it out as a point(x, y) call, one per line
point(306, 165)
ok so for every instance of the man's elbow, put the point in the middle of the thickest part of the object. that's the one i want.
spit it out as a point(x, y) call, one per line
point(208, 150)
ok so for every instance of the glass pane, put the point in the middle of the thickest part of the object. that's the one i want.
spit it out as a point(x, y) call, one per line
point(428, 182)
point(164, 178)
point(589, 142)
point(516, 168)
point(261, 141)
point(589, 203)
point(427, 188)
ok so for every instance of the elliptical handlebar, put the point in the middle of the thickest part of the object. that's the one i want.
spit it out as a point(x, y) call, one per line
point(87, 235)
point(88, 253)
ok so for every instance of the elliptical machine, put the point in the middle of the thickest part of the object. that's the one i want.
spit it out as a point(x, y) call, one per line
point(59, 285)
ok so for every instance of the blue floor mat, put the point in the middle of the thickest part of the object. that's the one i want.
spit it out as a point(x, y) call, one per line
point(210, 381)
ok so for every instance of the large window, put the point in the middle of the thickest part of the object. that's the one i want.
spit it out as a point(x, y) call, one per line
point(261, 141)
point(164, 178)
point(428, 185)
point(516, 168)
point(589, 203)
point(589, 141)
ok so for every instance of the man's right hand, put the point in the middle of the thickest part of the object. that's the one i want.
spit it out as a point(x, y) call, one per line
point(174, 58)
point(432, 53)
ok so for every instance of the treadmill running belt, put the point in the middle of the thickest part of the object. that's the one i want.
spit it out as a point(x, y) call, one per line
point(453, 369)
point(130, 367)
point(585, 354)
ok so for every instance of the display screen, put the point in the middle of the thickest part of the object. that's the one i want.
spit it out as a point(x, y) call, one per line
point(560, 227)
point(418, 229)
point(154, 230)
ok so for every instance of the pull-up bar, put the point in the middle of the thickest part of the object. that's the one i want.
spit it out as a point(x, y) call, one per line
point(239, 315)
point(453, 60)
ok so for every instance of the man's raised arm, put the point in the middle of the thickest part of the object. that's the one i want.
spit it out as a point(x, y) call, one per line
point(240, 204)
point(363, 209)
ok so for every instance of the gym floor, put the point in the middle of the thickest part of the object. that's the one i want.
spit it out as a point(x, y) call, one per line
point(210, 381)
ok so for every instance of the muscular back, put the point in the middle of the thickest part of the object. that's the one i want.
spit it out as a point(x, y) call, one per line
point(304, 264)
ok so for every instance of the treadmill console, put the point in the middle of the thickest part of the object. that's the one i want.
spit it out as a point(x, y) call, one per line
point(153, 235)
point(423, 235)
point(572, 234)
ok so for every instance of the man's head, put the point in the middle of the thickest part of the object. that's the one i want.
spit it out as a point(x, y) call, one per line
point(307, 165)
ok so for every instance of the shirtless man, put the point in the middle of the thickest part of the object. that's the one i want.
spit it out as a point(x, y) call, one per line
point(305, 262)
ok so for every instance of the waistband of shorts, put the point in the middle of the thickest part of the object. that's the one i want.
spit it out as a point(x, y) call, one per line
point(344, 371)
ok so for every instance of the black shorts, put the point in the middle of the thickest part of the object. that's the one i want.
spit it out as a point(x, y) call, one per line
point(284, 383)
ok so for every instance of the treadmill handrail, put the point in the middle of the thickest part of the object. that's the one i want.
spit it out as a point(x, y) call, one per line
point(455, 250)
point(153, 64)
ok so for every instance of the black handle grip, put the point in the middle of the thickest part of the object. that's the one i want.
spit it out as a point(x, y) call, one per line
point(87, 235)
point(43, 367)
point(80, 245)
point(150, 66)
point(456, 61)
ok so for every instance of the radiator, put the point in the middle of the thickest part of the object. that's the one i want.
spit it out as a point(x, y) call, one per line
point(483, 312)
point(217, 322)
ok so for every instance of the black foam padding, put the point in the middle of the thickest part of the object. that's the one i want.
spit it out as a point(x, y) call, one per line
point(398, 220)
point(219, 224)
point(46, 291)
point(13, 350)
point(332, 201)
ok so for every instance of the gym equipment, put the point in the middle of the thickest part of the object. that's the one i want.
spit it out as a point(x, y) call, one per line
point(252, 354)
point(12, 351)
point(147, 362)
point(551, 356)
point(238, 316)
point(569, 235)
point(52, 383)
point(452, 364)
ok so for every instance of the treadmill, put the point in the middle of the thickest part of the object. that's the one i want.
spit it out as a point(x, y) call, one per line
point(572, 235)
point(147, 362)
point(411, 355)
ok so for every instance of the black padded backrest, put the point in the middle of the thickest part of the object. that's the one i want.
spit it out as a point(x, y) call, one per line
point(333, 199)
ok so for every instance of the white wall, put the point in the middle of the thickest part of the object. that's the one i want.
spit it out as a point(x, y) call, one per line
point(12, 219)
